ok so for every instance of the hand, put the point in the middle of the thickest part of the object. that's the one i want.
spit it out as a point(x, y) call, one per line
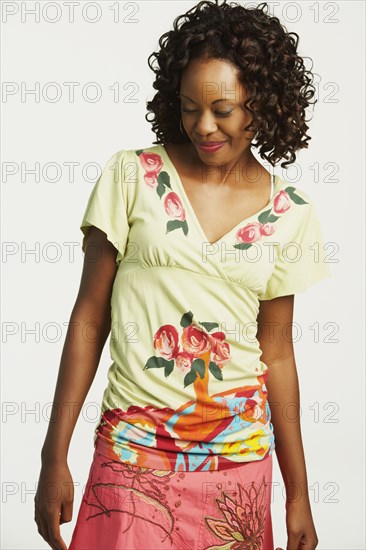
point(53, 502)
point(301, 534)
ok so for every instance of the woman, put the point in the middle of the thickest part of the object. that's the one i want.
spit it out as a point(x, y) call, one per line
point(198, 251)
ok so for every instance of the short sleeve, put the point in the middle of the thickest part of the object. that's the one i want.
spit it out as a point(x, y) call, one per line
point(107, 205)
point(300, 262)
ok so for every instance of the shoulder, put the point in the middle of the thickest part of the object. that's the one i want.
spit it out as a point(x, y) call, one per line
point(124, 163)
point(149, 158)
point(294, 209)
point(137, 166)
point(293, 192)
point(292, 199)
point(126, 155)
point(136, 152)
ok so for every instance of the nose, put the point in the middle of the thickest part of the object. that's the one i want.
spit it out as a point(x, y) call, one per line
point(205, 124)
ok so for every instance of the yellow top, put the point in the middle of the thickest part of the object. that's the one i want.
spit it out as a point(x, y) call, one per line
point(186, 386)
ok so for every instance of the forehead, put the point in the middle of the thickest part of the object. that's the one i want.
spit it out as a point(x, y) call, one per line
point(208, 80)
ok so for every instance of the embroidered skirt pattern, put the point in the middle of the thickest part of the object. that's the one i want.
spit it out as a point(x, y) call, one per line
point(127, 507)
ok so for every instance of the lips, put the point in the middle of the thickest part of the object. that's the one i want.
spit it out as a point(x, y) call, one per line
point(210, 143)
point(211, 146)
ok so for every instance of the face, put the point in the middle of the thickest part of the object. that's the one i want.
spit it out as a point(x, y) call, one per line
point(212, 110)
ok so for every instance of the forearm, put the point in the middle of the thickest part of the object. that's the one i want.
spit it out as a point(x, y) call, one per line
point(85, 339)
point(284, 402)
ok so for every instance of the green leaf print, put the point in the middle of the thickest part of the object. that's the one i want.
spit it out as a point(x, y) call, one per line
point(215, 370)
point(190, 377)
point(209, 326)
point(163, 182)
point(164, 179)
point(158, 363)
point(272, 218)
point(186, 319)
point(199, 366)
point(160, 189)
point(242, 246)
point(291, 191)
point(168, 368)
point(177, 224)
point(264, 216)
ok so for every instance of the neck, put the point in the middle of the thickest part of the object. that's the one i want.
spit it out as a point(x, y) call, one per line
point(244, 164)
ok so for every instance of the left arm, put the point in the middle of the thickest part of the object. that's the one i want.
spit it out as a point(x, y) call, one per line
point(275, 340)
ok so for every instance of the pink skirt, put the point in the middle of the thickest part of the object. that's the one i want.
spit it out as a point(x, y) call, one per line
point(132, 508)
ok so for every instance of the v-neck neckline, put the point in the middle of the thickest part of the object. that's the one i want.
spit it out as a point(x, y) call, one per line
point(274, 182)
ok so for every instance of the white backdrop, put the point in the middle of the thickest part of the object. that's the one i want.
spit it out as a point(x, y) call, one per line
point(44, 48)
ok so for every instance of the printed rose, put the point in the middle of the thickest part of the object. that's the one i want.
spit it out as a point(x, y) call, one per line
point(268, 228)
point(114, 420)
point(151, 162)
point(173, 206)
point(282, 202)
point(250, 233)
point(166, 341)
point(195, 340)
point(220, 352)
point(151, 180)
point(252, 409)
point(183, 361)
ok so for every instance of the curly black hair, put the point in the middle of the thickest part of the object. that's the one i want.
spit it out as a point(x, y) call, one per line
point(270, 69)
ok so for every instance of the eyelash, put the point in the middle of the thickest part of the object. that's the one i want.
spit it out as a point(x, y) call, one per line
point(221, 114)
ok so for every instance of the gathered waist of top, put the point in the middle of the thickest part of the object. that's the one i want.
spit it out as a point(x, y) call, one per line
point(131, 269)
point(179, 440)
point(153, 461)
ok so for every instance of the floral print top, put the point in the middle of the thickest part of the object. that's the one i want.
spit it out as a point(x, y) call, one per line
point(186, 388)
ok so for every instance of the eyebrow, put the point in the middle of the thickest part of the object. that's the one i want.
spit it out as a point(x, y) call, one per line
point(215, 101)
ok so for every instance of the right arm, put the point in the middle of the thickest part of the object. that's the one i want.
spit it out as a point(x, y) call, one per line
point(90, 325)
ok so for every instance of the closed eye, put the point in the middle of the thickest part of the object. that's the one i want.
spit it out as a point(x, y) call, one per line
point(217, 112)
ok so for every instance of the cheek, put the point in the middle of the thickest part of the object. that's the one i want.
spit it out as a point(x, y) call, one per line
point(245, 117)
point(237, 121)
point(236, 128)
